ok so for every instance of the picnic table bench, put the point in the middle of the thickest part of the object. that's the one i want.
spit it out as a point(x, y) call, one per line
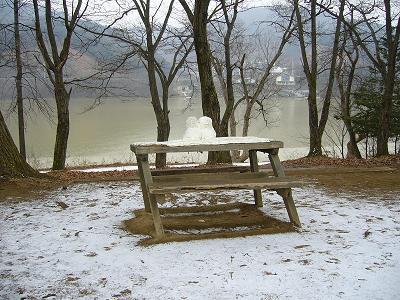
point(153, 185)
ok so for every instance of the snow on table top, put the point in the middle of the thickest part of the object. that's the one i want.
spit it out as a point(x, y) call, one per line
point(213, 141)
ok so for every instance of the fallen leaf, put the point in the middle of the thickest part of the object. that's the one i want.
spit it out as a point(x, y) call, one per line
point(62, 204)
point(269, 273)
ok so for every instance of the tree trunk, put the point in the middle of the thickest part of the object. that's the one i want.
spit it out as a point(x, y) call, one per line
point(209, 98)
point(352, 148)
point(315, 135)
point(11, 162)
point(62, 133)
point(384, 117)
point(18, 81)
point(220, 156)
point(163, 131)
point(245, 129)
point(310, 66)
point(235, 154)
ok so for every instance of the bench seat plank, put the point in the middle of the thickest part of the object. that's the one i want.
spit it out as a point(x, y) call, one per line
point(197, 182)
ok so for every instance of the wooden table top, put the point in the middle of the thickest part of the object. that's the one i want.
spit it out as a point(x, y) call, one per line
point(215, 144)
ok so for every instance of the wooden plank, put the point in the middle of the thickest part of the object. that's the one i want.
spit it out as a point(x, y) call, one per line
point(202, 147)
point(211, 182)
point(254, 168)
point(147, 180)
point(201, 177)
point(203, 170)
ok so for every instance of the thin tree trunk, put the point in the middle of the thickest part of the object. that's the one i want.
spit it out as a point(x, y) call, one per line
point(18, 82)
point(315, 135)
point(11, 162)
point(345, 83)
point(62, 133)
point(392, 40)
point(163, 126)
point(352, 146)
point(384, 117)
point(163, 129)
point(209, 98)
point(54, 61)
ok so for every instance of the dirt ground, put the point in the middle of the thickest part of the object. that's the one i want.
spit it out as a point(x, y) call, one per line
point(336, 174)
point(224, 219)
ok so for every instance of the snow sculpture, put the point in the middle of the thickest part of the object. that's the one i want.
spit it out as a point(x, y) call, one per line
point(192, 129)
point(201, 129)
point(206, 128)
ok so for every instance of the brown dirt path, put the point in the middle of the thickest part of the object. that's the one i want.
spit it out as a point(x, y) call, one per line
point(378, 174)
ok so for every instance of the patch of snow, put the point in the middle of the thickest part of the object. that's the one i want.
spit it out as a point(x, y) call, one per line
point(212, 230)
point(348, 248)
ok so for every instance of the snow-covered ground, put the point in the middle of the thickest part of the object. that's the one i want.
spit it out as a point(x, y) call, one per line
point(349, 248)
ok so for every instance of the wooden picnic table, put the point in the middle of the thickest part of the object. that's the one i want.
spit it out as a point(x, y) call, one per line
point(158, 185)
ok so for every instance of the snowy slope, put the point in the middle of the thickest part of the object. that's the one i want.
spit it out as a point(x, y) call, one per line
point(349, 248)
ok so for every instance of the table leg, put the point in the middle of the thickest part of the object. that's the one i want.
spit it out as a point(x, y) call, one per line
point(147, 179)
point(143, 186)
point(254, 168)
point(286, 193)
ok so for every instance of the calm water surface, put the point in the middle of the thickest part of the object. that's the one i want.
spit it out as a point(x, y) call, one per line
point(103, 135)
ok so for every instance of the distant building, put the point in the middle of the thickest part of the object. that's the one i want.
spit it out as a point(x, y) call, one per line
point(285, 80)
point(277, 70)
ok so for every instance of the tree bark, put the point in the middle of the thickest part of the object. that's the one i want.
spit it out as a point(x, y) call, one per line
point(385, 114)
point(162, 119)
point(392, 40)
point(62, 133)
point(345, 84)
point(163, 128)
point(352, 148)
point(12, 163)
point(209, 98)
point(18, 82)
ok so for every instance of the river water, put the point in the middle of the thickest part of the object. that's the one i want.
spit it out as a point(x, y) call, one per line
point(103, 135)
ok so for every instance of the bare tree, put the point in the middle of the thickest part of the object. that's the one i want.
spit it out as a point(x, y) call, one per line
point(254, 73)
point(153, 42)
point(54, 62)
point(154, 67)
point(18, 80)
point(345, 75)
point(199, 17)
point(12, 164)
point(304, 14)
point(16, 50)
point(368, 32)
